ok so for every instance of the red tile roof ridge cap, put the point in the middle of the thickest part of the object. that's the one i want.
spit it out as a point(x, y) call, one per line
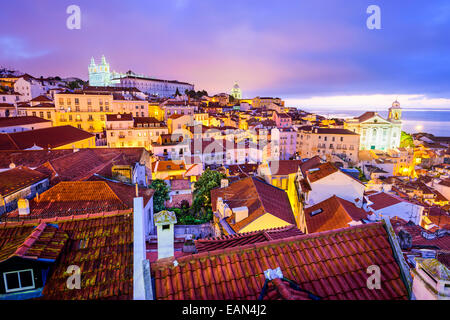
point(86, 216)
point(270, 243)
point(30, 240)
point(249, 234)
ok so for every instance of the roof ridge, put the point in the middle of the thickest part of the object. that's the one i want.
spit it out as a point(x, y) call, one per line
point(12, 140)
point(30, 240)
point(303, 237)
point(87, 216)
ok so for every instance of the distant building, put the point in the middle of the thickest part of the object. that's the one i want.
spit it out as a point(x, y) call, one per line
point(61, 137)
point(236, 92)
point(20, 183)
point(377, 133)
point(312, 141)
point(19, 124)
point(101, 75)
point(249, 205)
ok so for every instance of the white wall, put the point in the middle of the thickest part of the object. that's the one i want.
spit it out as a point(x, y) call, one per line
point(405, 210)
point(338, 184)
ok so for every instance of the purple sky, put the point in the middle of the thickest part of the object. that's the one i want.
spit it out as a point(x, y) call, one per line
point(292, 49)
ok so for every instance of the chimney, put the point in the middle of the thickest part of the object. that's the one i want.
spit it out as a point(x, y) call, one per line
point(24, 207)
point(240, 213)
point(165, 223)
point(405, 240)
point(142, 288)
point(224, 183)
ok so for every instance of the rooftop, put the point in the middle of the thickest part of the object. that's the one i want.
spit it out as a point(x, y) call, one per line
point(332, 265)
point(21, 121)
point(240, 239)
point(332, 213)
point(102, 245)
point(258, 196)
point(16, 179)
point(46, 138)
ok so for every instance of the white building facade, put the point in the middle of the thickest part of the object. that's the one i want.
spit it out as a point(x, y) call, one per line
point(377, 133)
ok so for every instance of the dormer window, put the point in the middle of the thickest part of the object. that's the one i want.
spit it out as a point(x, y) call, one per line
point(18, 280)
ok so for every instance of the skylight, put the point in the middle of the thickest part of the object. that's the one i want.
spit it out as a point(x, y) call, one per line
point(315, 212)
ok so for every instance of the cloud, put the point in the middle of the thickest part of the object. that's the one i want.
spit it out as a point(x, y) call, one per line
point(16, 49)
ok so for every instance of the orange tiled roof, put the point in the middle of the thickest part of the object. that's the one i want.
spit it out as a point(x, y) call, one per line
point(324, 170)
point(284, 167)
point(258, 196)
point(240, 239)
point(169, 165)
point(78, 165)
point(73, 198)
point(20, 121)
point(30, 158)
point(102, 246)
point(45, 138)
point(336, 213)
point(418, 240)
point(42, 242)
point(382, 200)
point(332, 265)
point(18, 178)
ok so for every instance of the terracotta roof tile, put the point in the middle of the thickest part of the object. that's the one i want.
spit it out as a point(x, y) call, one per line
point(321, 171)
point(333, 213)
point(20, 121)
point(382, 200)
point(285, 167)
point(239, 239)
point(15, 179)
point(41, 242)
point(417, 232)
point(258, 196)
point(45, 138)
point(237, 273)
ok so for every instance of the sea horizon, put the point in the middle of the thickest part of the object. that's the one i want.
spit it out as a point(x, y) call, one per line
point(434, 121)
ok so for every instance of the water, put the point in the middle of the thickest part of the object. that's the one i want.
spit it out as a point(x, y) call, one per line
point(436, 122)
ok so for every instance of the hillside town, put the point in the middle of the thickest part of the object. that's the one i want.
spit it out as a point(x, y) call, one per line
point(156, 190)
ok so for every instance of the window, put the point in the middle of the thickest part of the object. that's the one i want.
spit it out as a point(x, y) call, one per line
point(49, 115)
point(18, 280)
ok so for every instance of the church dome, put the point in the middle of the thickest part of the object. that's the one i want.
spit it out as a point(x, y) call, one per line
point(236, 86)
point(396, 104)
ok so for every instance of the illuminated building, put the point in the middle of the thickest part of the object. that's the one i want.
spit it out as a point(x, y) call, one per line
point(236, 92)
point(312, 141)
point(87, 110)
point(124, 130)
point(377, 133)
point(101, 75)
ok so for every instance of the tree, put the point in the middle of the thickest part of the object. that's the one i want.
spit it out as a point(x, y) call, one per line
point(202, 192)
point(73, 85)
point(177, 93)
point(406, 140)
point(161, 194)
